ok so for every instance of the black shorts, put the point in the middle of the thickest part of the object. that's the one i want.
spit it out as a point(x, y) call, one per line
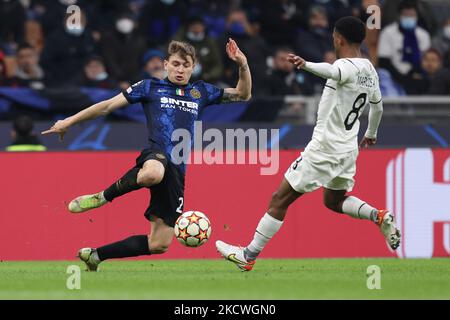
point(167, 197)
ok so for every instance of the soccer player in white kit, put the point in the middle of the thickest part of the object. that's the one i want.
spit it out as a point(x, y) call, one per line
point(329, 160)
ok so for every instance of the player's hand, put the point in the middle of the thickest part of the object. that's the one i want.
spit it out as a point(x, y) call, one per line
point(297, 61)
point(235, 54)
point(367, 142)
point(59, 128)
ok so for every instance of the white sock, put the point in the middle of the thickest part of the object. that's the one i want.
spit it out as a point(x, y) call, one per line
point(358, 209)
point(266, 229)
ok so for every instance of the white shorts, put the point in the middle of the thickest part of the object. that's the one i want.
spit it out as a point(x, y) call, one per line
point(315, 169)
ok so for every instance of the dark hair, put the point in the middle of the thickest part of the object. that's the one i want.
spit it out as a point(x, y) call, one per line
point(94, 58)
point(352, 29)
point(184, 49)
point(24, 45)
point(23, 125)
point(407, 4)
point(282, 49)
point(435, 51)
point(194, 20)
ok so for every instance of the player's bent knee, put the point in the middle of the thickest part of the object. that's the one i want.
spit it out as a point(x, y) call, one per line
point(159, 248)
point(150, 178)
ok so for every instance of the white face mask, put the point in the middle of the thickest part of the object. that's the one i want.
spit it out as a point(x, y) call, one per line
point(196, 37)
point(447, 32)
point(125, 26)
point(77, 31)
point(68, 2)
point(101, 76)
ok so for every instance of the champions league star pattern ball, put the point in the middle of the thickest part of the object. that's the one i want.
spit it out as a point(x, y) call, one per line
point(192, 229)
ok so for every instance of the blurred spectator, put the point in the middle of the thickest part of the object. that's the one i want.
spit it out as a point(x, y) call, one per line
point(23, 138)
point(282, 78)
point(425, 15)
point(209, 66)
point(436, 78)
point(28, 72)
point(65, 52)
point(2, 69)
point(153, 65)
point(401, 46)
point(337, 8)
point(122, 49)
point(279, 21)
point(253, 46)
point(442, 41)
point(161, 19)
point(95, 75)
point(213, 13)
point(12, 25)
point(49, 13)
point(372, 34)
point(311, 44)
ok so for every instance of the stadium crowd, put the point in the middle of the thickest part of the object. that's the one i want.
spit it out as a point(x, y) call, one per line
point(120, 42)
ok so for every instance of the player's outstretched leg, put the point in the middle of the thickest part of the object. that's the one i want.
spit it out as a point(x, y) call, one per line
point(244, 258)
point(157, 242)
point(151, 173)
point(337, 201)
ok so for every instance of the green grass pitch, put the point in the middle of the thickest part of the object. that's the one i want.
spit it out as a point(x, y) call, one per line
point(218, 279)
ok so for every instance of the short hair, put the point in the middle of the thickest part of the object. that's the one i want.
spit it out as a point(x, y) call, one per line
point(283, 49)
point(184, 49)
point(407, 4)
point(433, 51)
point(23, 125)
point(352, 29)
point(24, 45)
point(194, 20)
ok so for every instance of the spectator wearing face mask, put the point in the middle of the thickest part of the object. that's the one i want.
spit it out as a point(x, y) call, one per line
point(153, 65)
point(65, 52)
point(401, 46)
point(209, 66)
point(95, 75)
point(49, 13)
point(28, 72)
point(442, 41)
point(317, 39)
point(256, 49)
point(123, 49)
point(425, 15)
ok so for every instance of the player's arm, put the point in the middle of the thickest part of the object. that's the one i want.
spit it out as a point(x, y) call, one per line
point(100, 109)
point(323, 69)
point(243, 90)
point(375, 115)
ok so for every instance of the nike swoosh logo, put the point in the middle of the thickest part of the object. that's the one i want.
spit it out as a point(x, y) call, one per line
point(232, 257)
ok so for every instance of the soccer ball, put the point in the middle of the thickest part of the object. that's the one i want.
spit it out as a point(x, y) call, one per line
point(192, 229)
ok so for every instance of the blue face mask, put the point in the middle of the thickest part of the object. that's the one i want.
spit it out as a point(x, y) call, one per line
point(101, 76)
point(237, 28)
point(408, 23)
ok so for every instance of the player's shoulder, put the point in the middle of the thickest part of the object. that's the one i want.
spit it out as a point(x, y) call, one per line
point(202, 86)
